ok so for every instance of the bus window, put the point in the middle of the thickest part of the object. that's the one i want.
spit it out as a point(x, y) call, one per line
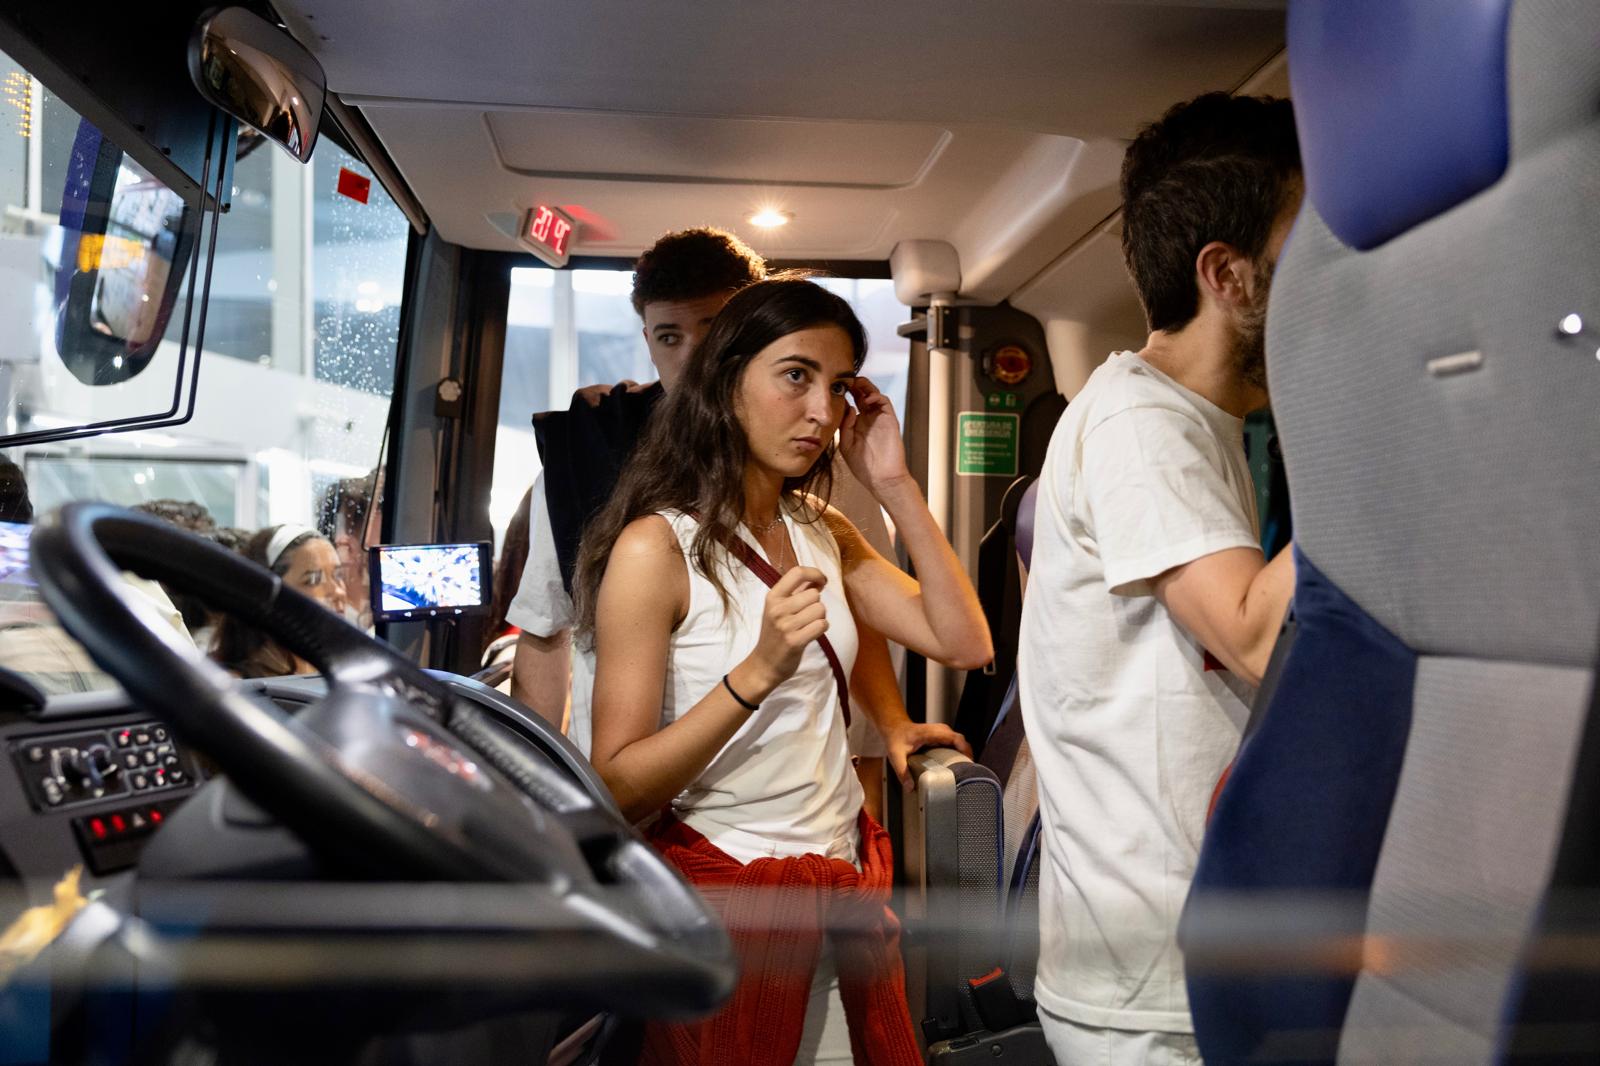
point(888, 361)
point(567, 329)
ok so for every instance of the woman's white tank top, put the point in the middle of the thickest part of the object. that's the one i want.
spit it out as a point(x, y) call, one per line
point(784, 784)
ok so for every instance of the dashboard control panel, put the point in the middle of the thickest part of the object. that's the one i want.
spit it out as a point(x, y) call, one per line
point(71, 769)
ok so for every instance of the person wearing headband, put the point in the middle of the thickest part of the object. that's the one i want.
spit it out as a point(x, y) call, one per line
point(308, 563)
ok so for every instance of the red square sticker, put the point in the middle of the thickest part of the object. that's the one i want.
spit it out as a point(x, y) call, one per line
point(354, 185)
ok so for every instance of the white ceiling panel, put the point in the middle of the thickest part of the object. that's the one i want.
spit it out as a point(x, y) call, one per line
point(1065, 66)
point(707, 150)
point(996, 125)
point(621, 214)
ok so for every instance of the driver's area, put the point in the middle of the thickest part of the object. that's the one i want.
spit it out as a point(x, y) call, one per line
point(235, 825)
point(368, 856)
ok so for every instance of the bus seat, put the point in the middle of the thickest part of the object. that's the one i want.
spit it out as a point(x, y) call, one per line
point(997, 1010)
point(998, 1016)
point(1007, 755)
point(952, 850)
point(1022, 913)
point(498, 659)
point(1000, 592)
point(1383, 848)
point(1006, 749)
point(1026, 509)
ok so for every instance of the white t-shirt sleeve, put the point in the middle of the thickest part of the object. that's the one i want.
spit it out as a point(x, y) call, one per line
point(541, 606)
point(1156, 496)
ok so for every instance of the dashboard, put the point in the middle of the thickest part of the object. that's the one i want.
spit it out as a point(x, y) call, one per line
point(198, 894)
point(90, 779)
point(109, 786)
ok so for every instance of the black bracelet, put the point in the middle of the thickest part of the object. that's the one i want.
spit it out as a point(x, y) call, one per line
point(740, 700)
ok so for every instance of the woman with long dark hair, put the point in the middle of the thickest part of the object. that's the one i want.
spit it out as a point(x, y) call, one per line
point(721, 592)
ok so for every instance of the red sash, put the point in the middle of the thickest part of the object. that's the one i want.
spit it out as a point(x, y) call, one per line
point(769, 577)
point(777, 912)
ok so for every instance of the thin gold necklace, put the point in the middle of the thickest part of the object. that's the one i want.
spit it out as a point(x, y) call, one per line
point(762, 531)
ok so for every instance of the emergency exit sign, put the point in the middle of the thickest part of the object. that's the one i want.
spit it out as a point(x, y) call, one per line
point(986, 444)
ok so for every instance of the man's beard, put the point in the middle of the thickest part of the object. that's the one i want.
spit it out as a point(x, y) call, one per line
point(1250, 333)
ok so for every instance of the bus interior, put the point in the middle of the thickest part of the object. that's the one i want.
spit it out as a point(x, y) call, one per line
point(254, 257)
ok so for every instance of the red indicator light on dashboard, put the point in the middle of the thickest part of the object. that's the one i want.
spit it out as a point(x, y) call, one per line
point(118, 825)
point(155, 816)
point(98, 828)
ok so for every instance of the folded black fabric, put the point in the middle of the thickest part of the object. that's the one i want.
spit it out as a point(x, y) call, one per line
point(583, 450)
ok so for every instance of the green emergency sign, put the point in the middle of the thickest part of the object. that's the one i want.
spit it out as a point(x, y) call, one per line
point(986, 444)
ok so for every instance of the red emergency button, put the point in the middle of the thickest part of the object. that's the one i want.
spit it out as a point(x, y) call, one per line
point(1010, 365)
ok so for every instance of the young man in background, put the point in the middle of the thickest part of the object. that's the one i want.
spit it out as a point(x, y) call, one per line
point(1151, 610)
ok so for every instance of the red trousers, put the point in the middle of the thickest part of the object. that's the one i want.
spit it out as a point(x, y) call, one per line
point(777, 911)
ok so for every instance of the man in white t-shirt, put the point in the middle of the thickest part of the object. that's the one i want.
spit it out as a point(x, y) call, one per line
point(1151, 610)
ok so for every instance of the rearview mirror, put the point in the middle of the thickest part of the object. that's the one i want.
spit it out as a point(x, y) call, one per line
point(125, 241)
point(260, 75)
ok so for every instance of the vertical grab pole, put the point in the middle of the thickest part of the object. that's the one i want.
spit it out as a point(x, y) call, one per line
point(941, 352)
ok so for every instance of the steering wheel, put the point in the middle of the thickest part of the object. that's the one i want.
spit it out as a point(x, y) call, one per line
point(390, 775)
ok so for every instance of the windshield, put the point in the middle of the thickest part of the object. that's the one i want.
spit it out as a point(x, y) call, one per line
point(297, 360)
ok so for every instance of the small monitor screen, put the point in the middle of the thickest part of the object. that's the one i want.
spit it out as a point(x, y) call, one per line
point(14, 554)
point(413, 581)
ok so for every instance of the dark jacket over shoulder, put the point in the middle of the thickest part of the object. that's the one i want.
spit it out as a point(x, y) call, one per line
point(583, 450)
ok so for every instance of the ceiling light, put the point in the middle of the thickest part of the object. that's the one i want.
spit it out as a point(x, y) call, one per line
point(770, 218)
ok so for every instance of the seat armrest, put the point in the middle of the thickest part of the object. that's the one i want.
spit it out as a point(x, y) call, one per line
point(1021, 1045)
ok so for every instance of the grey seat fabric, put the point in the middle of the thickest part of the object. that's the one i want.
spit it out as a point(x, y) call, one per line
point(952, 849)
point(1021, 806)
point(1442, 446)
point(1466, 858)
point(1008, 755)
point(1022, 911)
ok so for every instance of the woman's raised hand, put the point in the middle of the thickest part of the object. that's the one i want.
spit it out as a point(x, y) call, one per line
point(870, 438)
point(792, 618)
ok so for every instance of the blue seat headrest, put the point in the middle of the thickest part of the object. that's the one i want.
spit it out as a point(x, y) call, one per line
point(1025, 511)
point(1401, 107)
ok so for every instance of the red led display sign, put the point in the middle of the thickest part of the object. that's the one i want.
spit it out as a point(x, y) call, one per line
point(547, 231)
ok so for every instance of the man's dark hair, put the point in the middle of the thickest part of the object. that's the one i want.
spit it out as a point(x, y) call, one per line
point(1218, 168)
point(689, 264)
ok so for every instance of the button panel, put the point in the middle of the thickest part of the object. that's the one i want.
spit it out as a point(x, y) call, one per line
point(112, 840)
point(66, 770)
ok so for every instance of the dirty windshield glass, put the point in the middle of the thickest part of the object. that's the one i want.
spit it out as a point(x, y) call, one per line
point(296, 370)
